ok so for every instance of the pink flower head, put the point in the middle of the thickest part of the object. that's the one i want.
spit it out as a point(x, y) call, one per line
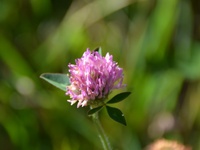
point(93, 77)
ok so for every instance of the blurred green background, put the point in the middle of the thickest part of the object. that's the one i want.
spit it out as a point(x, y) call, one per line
point(157, 42)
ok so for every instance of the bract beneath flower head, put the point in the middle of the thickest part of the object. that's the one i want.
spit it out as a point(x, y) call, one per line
point(93, 77)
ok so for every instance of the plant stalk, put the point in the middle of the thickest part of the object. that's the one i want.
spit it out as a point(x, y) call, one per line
point(104, 139)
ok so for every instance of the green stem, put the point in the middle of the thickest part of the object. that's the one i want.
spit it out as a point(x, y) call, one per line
point(104, 139)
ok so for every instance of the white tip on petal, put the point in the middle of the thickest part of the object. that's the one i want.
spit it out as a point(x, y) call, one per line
point(84, 103)
point(72, 101)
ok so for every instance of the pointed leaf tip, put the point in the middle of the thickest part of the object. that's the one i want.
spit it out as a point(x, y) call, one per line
point(116, 115)
point(98, 49)
point(94, 110)
point(119, 97)
point(60, 81)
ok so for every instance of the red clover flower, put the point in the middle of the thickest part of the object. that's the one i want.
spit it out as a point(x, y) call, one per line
point(93, 77)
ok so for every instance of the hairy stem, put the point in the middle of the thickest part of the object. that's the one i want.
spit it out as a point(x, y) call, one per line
point(104, 139)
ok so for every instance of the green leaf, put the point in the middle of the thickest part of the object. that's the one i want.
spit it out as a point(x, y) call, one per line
point(119, 97)
point(60, 81)
point(94, 110)
point(116, 115)
point(98, 49)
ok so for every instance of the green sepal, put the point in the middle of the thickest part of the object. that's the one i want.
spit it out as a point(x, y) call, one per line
point(119, 97)
point(98, 49)
point(116, 115)
point(60, 81)
point(94, 110)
